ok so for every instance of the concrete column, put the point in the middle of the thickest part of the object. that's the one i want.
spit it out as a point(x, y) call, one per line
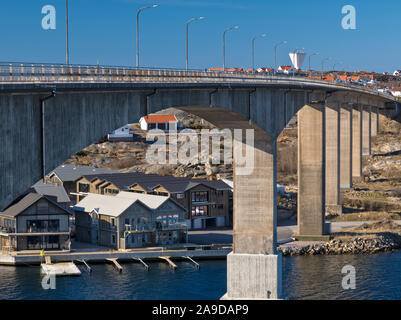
point(366, 131)
point(346, 146)
point(311, 173)
point(374, 117)
point(357, 141)
point(332, 143)
point(254, 267)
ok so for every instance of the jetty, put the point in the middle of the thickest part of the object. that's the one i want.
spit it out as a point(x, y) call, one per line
point(59, 269)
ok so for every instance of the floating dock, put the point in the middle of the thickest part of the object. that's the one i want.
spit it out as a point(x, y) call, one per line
point(61, 269)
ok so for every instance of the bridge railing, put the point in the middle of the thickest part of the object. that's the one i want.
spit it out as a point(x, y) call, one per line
point(12, 72)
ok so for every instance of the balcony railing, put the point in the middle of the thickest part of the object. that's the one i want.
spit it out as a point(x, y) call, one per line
point(7, 230)
point(149, 227)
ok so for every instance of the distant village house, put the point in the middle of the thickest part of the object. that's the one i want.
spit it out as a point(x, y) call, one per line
point(207, 202)
point(35, 222)
point(161, 122)
point(130, 220)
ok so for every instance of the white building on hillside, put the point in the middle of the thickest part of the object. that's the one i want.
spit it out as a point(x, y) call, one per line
point(156, 121)
point(121, 134)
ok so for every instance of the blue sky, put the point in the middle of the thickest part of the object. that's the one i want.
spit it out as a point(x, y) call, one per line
point(104, 31)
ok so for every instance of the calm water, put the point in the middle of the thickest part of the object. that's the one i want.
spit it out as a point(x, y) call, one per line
point(317, 277)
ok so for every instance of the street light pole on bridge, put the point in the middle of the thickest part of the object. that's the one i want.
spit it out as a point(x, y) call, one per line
point(67, 56)
point(310, 56)
point(253, 49)
point(191, 20)
point(224, 45)
point(326, 59)
point(137, 31)
point(275, 54)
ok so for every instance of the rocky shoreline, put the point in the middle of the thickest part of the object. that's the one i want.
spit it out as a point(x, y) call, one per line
point(359, 245)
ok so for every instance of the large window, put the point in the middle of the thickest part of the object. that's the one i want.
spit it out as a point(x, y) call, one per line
point(83, 187)
point(199, 196)
point(199, 211)
point(34, 226)
point(111, 191)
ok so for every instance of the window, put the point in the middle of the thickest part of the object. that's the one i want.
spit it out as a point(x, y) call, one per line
point(151, 126)
point(199, 211)
point(162, 126)
point(180, 195)
point(83, 187)
point(111, 191)
point(42, 226)
point(113, 222)
point(127, 221)
point(113, 239)
point(164, 194)
point(200, 196)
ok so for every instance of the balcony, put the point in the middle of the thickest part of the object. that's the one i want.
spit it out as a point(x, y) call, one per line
point(150, 227)
point(7, 230)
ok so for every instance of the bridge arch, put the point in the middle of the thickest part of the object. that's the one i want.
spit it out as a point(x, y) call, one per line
point(74, 118)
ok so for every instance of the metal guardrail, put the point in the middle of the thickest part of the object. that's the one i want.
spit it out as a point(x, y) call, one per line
point(28, 73)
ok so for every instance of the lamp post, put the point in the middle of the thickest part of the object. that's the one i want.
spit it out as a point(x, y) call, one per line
point(310, 56)
point(275, 54)
point(224, 45)
point(336, 63)
point(191, 20)
point(326, 59)
point(67, 49)
point(253, 48)
point(137, 31)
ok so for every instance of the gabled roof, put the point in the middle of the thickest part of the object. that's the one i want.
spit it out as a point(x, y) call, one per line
point(115, 206)
point(70, 173)
point(25, 203)
point(123, 181)
point(51, 190)
point(162, 118)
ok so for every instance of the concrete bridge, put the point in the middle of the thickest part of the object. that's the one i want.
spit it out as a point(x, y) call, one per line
point(335, 125)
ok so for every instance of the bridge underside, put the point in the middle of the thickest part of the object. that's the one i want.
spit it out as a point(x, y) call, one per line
point(334, 131)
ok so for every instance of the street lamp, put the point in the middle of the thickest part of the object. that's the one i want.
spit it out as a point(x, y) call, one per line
point(275, 54)
point(334, 65)
point(67, 50)
point(137, 31)
point(191, 20)
point(224, 45)
point(310, 56)
point(326, 59)
point(253, 48)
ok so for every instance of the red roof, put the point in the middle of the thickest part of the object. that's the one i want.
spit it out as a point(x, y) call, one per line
point(162, 118)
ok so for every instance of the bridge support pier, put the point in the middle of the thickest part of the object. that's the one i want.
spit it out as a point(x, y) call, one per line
point(374, 116)
point(366, 131)
point(311, 173)
point(346, 146)
point(254, 266)
point(357, 142)
point(332, 144)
